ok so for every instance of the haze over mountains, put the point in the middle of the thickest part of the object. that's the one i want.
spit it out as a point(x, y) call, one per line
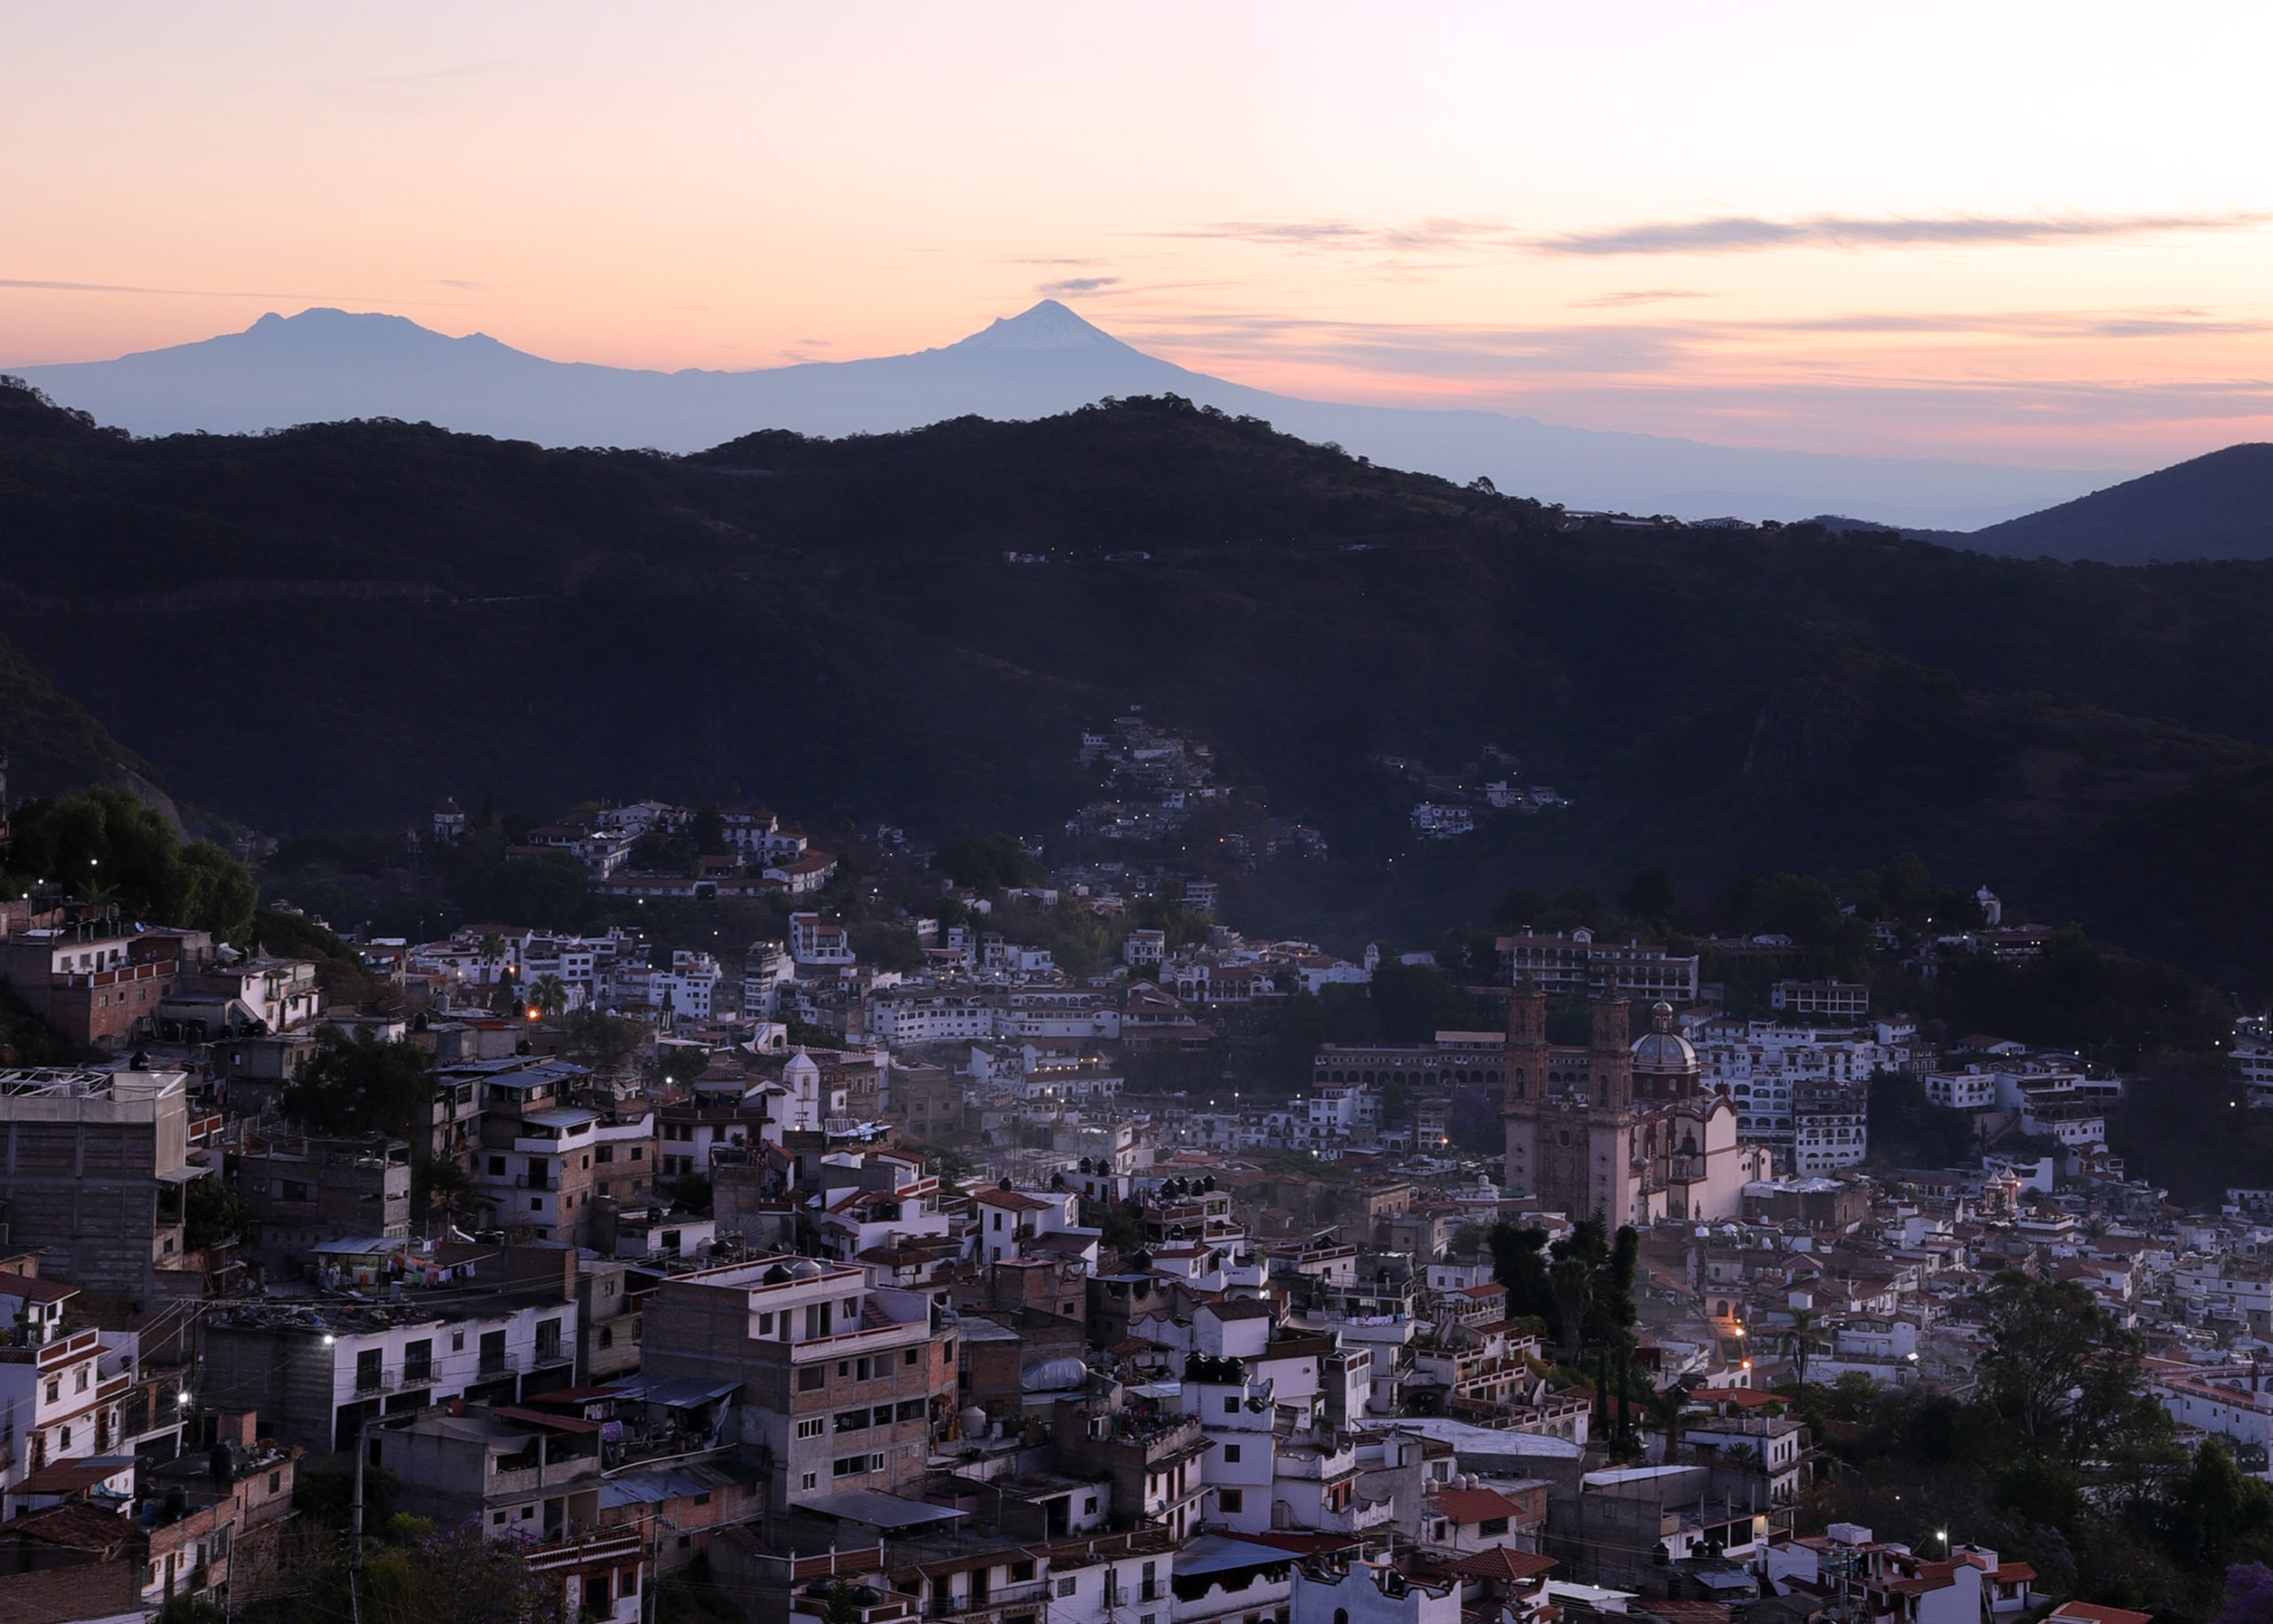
point(329, 365)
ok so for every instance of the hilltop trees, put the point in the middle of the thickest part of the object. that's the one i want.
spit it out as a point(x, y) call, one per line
point(106, 847)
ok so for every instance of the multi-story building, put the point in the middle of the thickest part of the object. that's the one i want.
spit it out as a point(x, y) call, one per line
point(99, 982)
point(63, 1395)
point(818, 941)
point(95, 1163)
point(1847, 1001)
point(318, 1372)
point(536, 1170)
point(842, 1382)
point(301, 1190)
point(1831, 1129)
point(1575, 965)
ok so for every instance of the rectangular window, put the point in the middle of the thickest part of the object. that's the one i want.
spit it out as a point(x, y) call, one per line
point(1230, 1404)
point(811, 1481)
point(851, 1421)
point(811, 1426)
point(908, 1357)
point(1067, 1587)
point(1492, 1525)
point(1230, 1454)
point(1022, 1571)
point(1230, 1500)
point(765, 1325)
point(910, 1409)
point(852, 1465)
point(811, 1378)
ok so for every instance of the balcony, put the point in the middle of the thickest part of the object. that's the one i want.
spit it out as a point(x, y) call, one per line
point(1010, 1598)
point(547, 1356)
point(493, 1365)
point(417, 1375)
point(373, 1382)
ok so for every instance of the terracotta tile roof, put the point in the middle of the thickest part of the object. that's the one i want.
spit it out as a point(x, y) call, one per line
point(1503, 1563)
point(1471, 1506)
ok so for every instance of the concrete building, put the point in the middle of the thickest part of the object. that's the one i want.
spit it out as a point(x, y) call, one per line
point(98, 981)
point(93, 1177)
point(842, 1382)
point(319, 1371)
point(300, 1190)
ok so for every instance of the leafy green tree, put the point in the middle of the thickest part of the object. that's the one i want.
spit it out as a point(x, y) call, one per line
point(106, 847)
point(549, 993)
point(1413, 1002)
point(211, 1210)
point(362, 1086)
point(2060, 1373)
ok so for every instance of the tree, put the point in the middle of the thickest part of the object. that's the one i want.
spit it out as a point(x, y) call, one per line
point(362, 1086)
point(441, 1186)
point(106, 847)
point(709, 832)
point(1649, 895)
point(211, 1210)
point(2060, 1372)
point(1799, 1343)
point(549, 993)
point(990, 862)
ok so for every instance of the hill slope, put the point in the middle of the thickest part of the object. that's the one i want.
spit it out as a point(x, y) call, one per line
point(328, 365)
point(2219, 506)
point(349, 622)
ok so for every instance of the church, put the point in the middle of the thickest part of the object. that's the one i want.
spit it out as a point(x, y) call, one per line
point(1628, 1131)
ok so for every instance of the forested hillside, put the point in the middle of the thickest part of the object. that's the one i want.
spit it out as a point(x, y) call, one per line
point(335, 627)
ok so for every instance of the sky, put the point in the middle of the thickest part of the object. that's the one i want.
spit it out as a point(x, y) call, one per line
point(2037, 233)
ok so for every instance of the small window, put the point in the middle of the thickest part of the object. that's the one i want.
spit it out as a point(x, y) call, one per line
point(811, 1426)
point(908, 1357)
point(1089, 1506)
point(1067, 1587)
point(810, 1378)
point(275, 1482)
point(1231, 1501)
point(1230, 1454)
point(498, 1518)
point(765, 1325)
point(811, 1481)
point(1022, 1571)
point(1230, 1404)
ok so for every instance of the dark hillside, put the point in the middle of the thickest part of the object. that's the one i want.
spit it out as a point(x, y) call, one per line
point(2219, 506)
point(334, 627)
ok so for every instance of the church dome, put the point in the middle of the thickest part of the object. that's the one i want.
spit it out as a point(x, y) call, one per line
point(1661, 1049)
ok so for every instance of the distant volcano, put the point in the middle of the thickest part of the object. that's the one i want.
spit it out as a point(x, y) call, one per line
point(326, 365)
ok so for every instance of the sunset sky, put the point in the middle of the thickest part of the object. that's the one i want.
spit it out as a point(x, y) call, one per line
point(2032, 234)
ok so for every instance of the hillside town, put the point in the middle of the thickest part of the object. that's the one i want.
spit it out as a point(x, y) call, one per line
point(966, 1287)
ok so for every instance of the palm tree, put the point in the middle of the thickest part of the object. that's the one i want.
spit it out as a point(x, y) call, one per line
point(548, 993)
point(493, 948)
point(1667, 1406)
point(1800, 1342)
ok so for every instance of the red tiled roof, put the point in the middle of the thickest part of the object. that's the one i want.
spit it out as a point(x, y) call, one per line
point(2092, 1612)
point(1471, 1506)
point(1503, 1563)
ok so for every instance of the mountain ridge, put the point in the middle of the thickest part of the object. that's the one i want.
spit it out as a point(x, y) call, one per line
point(850, 629)
point(311, 366)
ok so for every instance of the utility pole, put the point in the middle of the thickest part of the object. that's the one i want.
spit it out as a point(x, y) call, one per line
point(355, 1527)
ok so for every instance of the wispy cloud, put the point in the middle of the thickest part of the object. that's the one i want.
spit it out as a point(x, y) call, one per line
point(1077, 284)
point(1426, 236)
point(1736, 233)
point(463, 287)
point(1739, 233)
point(1638, 295)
